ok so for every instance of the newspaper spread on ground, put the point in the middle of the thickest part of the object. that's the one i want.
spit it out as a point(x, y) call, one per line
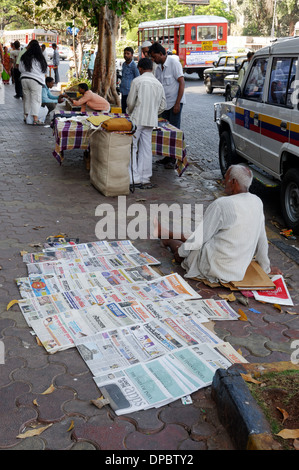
point(142, 334)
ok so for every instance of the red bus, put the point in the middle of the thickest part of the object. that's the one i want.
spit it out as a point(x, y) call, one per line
point(24, 36)
point(197, 40)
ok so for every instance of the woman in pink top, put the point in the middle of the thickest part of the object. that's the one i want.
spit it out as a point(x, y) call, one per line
point(89, 100)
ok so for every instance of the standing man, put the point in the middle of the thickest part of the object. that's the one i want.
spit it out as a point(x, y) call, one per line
point(13, 58)
point(91, 64)
point(145, 102)
point(170, 73)
point(44, 51)
point(17, 73)
point(56, 61)
point(129, 72)
point(145, 53)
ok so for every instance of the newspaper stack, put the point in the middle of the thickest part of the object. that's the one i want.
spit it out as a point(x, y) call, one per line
point(142, 334)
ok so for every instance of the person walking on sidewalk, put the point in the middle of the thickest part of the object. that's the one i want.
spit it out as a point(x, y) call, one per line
point(170, 73)
point(146, 100)
point(129, 71)
point(56, 61)
point(33, 68)
point(6, 66)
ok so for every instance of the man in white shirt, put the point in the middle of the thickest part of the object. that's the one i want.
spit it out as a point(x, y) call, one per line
point(232, 233)
point(170, 73)
point(146, 100)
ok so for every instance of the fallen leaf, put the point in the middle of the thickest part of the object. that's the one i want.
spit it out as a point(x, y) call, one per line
point(72, 425)
point(277, 306)
point(284, 413)
point(23, 252)
point(243, 300)
point(49, 390)
point(249, 378)
point(292, 313)
point(11, 303)
point(35, 402)
point(289, 434)
point(33, 432)
point(230, 297)
point(242, 317)
point(38, 341)
point(100, 402)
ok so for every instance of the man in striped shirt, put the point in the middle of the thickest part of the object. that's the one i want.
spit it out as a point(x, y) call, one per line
point(146, 100)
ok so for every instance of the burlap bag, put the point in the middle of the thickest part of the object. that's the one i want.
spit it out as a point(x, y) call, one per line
point(109, 162)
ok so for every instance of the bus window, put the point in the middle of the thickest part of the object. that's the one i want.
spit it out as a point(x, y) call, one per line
point(166, 34)
point(206, 32)
point(171, 35)
point(146, 34)
point(193, 33)
point(156, 34)
point(140, 37)
point(220, 32)
point(161, 37)
point(182, 34)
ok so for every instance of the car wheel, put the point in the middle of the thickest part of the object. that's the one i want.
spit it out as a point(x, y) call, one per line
point(209, 88)
point(290, 199)
point(227, 154)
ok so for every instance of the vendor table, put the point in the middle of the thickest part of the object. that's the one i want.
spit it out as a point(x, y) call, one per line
point(167, 140)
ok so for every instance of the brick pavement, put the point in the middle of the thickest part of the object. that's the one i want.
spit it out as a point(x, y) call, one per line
point(41, 198)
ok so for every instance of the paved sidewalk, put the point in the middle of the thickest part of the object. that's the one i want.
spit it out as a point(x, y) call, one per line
point(41, 198)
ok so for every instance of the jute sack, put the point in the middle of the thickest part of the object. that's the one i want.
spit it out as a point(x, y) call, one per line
point(110, 155)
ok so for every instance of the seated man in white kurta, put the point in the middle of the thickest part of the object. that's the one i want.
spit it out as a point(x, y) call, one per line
point(233, 232)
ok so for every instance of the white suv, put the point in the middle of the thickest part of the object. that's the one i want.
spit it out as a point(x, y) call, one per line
point(261, 125)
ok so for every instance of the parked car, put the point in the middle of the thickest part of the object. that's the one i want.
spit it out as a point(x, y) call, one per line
point(214, 76)
point(231, 81)
point(260, 127)
point(49, 52)
point(64, 52)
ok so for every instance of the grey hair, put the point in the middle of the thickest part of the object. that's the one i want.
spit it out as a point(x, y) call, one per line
point(242, 174)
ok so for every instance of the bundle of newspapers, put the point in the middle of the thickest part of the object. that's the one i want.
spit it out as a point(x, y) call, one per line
point(143, 335)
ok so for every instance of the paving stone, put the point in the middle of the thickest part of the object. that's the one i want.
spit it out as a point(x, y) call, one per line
point(50, 406)
point(146, 421)
point(105, 433)
point(13, 418)
point(40, 379)
point(169, 438)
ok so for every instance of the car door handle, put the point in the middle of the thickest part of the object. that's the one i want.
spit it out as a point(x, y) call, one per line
point(283, 126)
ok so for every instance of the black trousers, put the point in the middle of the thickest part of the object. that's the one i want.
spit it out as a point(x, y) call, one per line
point(18, 83)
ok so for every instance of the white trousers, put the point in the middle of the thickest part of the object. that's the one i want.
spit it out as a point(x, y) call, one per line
point(32, 96)
point(142, 156)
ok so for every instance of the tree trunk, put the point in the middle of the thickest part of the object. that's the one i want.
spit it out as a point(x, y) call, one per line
point(104, 76)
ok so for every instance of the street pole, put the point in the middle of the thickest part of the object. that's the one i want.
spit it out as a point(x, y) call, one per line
point(273, 21)
point(74, 48)
point(166, 13)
